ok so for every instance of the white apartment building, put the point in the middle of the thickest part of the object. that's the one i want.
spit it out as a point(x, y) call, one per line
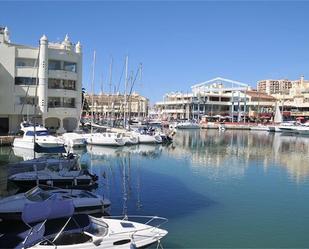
point(113, 105)
point(271, 86)
point(49, 75)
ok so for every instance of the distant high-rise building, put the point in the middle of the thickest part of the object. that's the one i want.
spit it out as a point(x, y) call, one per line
point(274, 86)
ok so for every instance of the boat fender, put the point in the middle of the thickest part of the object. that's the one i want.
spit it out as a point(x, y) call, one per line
point(75, 181)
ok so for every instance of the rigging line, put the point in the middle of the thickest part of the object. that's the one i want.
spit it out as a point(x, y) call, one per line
point(124, 65)
point(135, 78)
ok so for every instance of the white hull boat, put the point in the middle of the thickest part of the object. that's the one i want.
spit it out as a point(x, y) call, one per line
point(73, 140)
point(259, 128)
point(302, 130)
point(84, 202)
point(187, 125)
point(149, 139)
point(274, 128)
point(105, 139)
point(129, 139)
point(288, 127)
point(41, 135)
point(52, 224)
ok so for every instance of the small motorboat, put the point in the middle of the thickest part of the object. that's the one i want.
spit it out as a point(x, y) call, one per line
point(259, 127)
point(303, 129)
point(105, 139)
point(73, 140)
point(187, 125)
point(66, 160)
point(41, 135)
point(84, 201)
point(288, 127)
point(52, 224)
point(147, 135)
point(55, 176)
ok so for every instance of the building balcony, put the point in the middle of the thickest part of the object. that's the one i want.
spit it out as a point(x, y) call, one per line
point(63, 93)
point(61, 74)
point(176, 102)
point(63, 111)
point(25, 109)
point(173, 111)
point(26, 72)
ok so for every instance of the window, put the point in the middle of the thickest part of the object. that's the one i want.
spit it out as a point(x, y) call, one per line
point(25, 81)
point(54, 102)
point(69, 84)
point(54, 84)
point(30, 133)
point(27, 100)
point(70, 66)
point(23, 62)
point(69, 102)
point(54, 65)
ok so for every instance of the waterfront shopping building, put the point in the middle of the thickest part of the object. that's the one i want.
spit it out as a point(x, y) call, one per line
point(217, 97)
point(113, 105)
point(49, 75)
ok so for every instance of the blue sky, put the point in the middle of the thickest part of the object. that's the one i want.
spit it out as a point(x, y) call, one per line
point(179, 43)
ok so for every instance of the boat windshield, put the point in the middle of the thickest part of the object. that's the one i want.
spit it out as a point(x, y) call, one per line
point(37, 194)
point(42, 133)
point(97, 228)
point(37, 133)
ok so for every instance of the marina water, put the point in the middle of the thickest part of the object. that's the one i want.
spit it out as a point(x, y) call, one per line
point(218, 189)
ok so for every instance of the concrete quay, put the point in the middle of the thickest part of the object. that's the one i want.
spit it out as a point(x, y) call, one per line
point(6, 140)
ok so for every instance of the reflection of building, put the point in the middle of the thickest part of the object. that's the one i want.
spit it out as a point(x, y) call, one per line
point(215, 97)
point(51, 71)
point(108, 105)
point(230, 153)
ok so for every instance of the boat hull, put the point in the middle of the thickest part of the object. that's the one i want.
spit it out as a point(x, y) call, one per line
point(28, 144)
point(63, 183)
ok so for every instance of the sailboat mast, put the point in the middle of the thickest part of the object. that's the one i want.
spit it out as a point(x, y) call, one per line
point(92, 90)
point(125, 93)
point(110, 90)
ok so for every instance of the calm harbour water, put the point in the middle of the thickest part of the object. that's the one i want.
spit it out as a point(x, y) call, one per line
point(227, 189)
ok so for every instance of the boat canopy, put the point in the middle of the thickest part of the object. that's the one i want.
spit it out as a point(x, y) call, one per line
point(52, 208)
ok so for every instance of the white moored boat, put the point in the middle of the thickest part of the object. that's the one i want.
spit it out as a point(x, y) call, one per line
point(84, 201)
point(129, 138)
point(42, 138)
point(73, 139)
point(52, 224)
point(105, 139)
point(259, 127)
point(288, 127)
point(187, 125)
point(303, 129)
